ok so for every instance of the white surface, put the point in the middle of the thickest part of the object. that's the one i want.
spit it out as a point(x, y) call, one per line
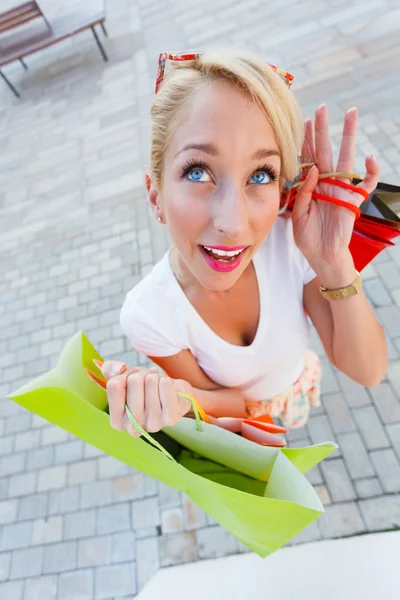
point(358, 568)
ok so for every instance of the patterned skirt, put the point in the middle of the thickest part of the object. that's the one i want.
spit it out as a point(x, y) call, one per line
point(292, 406)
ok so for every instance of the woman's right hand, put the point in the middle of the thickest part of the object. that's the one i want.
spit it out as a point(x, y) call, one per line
point(151, 397)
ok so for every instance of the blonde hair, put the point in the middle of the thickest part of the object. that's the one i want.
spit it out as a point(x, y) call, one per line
point(248, 73)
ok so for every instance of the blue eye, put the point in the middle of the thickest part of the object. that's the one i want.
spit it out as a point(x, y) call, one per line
point(197, 174)
point(261, 177)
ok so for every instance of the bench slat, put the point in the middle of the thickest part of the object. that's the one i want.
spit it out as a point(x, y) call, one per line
point(19, 20)
point(19, 45)
point(19, 11)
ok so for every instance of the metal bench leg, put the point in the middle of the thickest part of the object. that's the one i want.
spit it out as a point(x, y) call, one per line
point(104, 29)
point(23, 64)
point(10, 85)
point(104, 55)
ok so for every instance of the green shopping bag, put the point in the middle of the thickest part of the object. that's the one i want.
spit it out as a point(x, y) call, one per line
point(257, 493)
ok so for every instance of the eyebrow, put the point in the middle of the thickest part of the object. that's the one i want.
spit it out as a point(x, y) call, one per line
point(213, 151)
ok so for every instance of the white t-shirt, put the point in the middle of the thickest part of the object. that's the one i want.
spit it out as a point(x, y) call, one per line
point(159, 320)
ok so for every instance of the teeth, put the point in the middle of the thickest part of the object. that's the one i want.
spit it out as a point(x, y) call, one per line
point(228, 253)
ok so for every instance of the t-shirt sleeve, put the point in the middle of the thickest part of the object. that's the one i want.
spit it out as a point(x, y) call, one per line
point(149, 332)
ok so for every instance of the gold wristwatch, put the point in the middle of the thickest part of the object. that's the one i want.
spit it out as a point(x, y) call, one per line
point(341, 293)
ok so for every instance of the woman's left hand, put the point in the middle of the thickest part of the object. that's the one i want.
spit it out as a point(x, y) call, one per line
point(323, 230)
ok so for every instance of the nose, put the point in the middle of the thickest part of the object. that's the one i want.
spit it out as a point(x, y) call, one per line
point(230, 216)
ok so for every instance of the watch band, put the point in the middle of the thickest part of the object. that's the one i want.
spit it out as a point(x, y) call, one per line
point(341, 293)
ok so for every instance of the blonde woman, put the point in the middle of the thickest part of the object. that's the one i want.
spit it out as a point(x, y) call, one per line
point(224, 313)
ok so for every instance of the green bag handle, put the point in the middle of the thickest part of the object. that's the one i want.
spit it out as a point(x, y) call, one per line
point(150, 439)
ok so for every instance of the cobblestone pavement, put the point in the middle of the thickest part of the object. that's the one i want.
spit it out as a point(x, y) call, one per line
point(76, 234)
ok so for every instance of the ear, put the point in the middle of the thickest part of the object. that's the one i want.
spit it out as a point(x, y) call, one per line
point(153, 194)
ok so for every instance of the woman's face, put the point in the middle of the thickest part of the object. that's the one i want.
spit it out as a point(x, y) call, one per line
point(220, 190)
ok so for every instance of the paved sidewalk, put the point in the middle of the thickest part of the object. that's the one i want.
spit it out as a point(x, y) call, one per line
point(77, 234)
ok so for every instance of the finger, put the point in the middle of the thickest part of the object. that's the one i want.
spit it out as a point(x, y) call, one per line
point(152, 404)
point(371, 178)
point(304, 194)
point(171, 402)
point(348, 143)
point(135, 396)
point(323, 145)
point(116, 395)
point(308, 150)
point(110, 368)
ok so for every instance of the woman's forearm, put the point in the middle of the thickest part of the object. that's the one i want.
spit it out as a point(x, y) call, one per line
point(223, 402)
point(359, 344)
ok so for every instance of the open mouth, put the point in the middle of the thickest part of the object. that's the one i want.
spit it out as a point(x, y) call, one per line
point(223, 260)
point(223, 255)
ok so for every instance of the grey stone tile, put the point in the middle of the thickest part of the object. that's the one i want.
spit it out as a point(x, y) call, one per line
point(16, 535)
point(68, 452)
point(40, 459)
point(171, 520)
point(80, 524)
point(6, 447)
point(168, 496)
point(381, 513)
point(339, 483)
point(355, 455)
point(128, 487)
point(11, 590)
point(12, 464)
point(193, 516)
point(147, 559)
point(8, 511)
point(341, 520)
point(26, 563)
point(27, 441)
point(367, 488)
point(52, 478)
point(314, 475)
point(46, 531)
point(387, 468)
point(371, 428)
point(111, 467)
point(60, 557)
point(309, 534)
point(123, 547)
point(145, 514)
point(77, 585)
point(94, 551)
point(33, 506)
point(44, 588)
point(178, 548)
point(214, 542)
point(377, 292)
point(96, 493)
point(113, 518)
point(116, 580)
point(387, 403)
point(82, 472)
point(338, 412)
point(319, 430)
point(53, 435)
point(5, 565)
point(22, 484)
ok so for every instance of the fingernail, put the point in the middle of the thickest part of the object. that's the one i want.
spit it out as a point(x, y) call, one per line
point(98, 363)
point(118, 367)
point(372, 156)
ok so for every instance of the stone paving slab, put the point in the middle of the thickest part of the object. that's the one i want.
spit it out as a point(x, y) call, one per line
point(77, 234)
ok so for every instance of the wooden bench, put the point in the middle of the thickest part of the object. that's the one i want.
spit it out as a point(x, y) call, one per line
point(16, 46)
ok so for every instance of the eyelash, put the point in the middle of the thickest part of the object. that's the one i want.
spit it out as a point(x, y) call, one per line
point(193, 163)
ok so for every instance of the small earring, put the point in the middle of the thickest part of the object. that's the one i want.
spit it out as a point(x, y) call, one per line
point(159, 219)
